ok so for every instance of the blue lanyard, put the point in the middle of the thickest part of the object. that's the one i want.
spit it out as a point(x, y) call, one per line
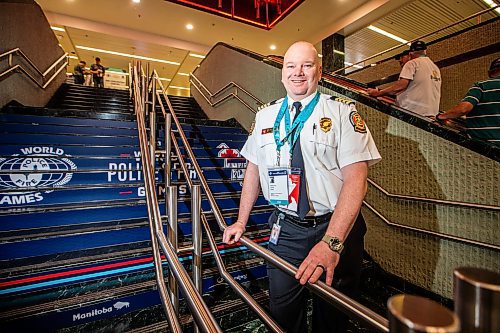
point(298, 123)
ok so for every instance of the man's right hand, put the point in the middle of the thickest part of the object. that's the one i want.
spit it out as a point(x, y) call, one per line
point(233, 233)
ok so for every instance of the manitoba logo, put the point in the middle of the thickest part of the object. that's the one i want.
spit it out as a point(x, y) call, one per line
point(37, 169)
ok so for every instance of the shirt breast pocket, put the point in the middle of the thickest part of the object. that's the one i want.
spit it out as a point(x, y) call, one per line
point(267, 150)
point(325, 150)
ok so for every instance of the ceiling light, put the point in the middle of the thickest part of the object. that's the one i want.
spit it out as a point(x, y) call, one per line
point(338, 52)
point(183, 74)
point(165, 79)
point(388, 34)
point(177, 87)
point(136, 1)
point(492, 4)
point(189, 26)
point(133, 56)
point(72, 57)
point(57, 29)
point(196, 55)
point(272, 47)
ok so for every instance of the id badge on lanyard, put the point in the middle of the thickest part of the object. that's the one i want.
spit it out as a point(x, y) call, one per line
point(284, 187)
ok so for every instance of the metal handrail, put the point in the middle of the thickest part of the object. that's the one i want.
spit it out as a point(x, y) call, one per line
point(213, 95)
point(30, 62)
point(432, 233)
point(199, 310)
point(218, 259)
point(418, 38)
point(211, 240)
point(431, 200)
point(322, 289)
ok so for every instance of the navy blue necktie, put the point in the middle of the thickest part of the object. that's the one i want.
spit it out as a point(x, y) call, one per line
point(298, 162)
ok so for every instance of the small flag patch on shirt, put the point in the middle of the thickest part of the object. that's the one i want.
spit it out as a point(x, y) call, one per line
point(267, 130)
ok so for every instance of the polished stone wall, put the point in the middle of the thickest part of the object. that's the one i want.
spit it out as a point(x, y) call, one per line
point(420, 164)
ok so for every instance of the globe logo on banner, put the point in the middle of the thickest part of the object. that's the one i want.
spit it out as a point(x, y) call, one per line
point(36, 167)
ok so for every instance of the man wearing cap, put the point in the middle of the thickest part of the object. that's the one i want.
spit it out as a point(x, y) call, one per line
point(419, 86)
point(403, 57)
point(481, 106)
point(309, 153)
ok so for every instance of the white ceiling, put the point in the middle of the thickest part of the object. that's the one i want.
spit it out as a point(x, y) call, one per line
point(156, 29)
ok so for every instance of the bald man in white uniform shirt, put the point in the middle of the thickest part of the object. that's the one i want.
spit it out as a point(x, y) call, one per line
point(325, 239)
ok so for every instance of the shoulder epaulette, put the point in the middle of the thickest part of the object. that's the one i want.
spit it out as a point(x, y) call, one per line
point(343, 100)
point(263, 106)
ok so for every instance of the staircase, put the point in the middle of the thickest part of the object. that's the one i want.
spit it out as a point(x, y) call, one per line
point(74, 238)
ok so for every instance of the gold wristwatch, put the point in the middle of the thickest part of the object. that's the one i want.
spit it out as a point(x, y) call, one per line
point(333, 243)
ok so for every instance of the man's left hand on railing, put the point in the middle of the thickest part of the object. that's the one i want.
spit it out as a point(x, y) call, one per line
point(319, 260)
point(233, 233)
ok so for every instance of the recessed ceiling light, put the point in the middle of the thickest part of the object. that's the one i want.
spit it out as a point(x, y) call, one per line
point(388, 34)
point(183, 74)
point(136, 1)
point(73, 57)
point(164, 79)
point(196, 55)
point(133, 56)
point(272, 47)
point(57, 29)
point(189, 26)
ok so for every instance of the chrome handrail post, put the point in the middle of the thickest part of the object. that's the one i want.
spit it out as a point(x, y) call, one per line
point(152, 124)
point(196, 235)
point(167, 305)
point(171, 193)
point(168, 150)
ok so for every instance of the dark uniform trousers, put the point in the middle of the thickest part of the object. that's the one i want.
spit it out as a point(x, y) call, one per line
point(288, 299)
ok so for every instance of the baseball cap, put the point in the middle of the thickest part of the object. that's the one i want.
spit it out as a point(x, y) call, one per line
point(495, 65)
point(418, 45)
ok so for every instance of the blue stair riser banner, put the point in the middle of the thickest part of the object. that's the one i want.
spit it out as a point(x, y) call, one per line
point(10, 251)
point(66, 151)
point(214, 136)
point(119, 306)
point(55, 140)
point(216, 129)
point(46, 120)
point(65, 129)
point(91, 216)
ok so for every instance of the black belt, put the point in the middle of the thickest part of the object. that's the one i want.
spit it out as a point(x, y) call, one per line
point(308, 221)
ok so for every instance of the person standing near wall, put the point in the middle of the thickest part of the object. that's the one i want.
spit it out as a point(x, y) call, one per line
point(481, 106)
point(419, 86)
point(79, 72)
point(98, 71)
point(310, 154)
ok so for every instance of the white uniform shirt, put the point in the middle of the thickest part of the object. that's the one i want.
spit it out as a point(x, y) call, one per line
point(334, 136)
point(424, 90)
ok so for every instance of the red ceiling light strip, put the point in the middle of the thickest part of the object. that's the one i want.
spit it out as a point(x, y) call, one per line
point(284, 13)
point(220, 12)
point(239, 18)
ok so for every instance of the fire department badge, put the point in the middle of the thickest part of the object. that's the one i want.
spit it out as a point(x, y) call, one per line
point(357, 122)
point(325, 124)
